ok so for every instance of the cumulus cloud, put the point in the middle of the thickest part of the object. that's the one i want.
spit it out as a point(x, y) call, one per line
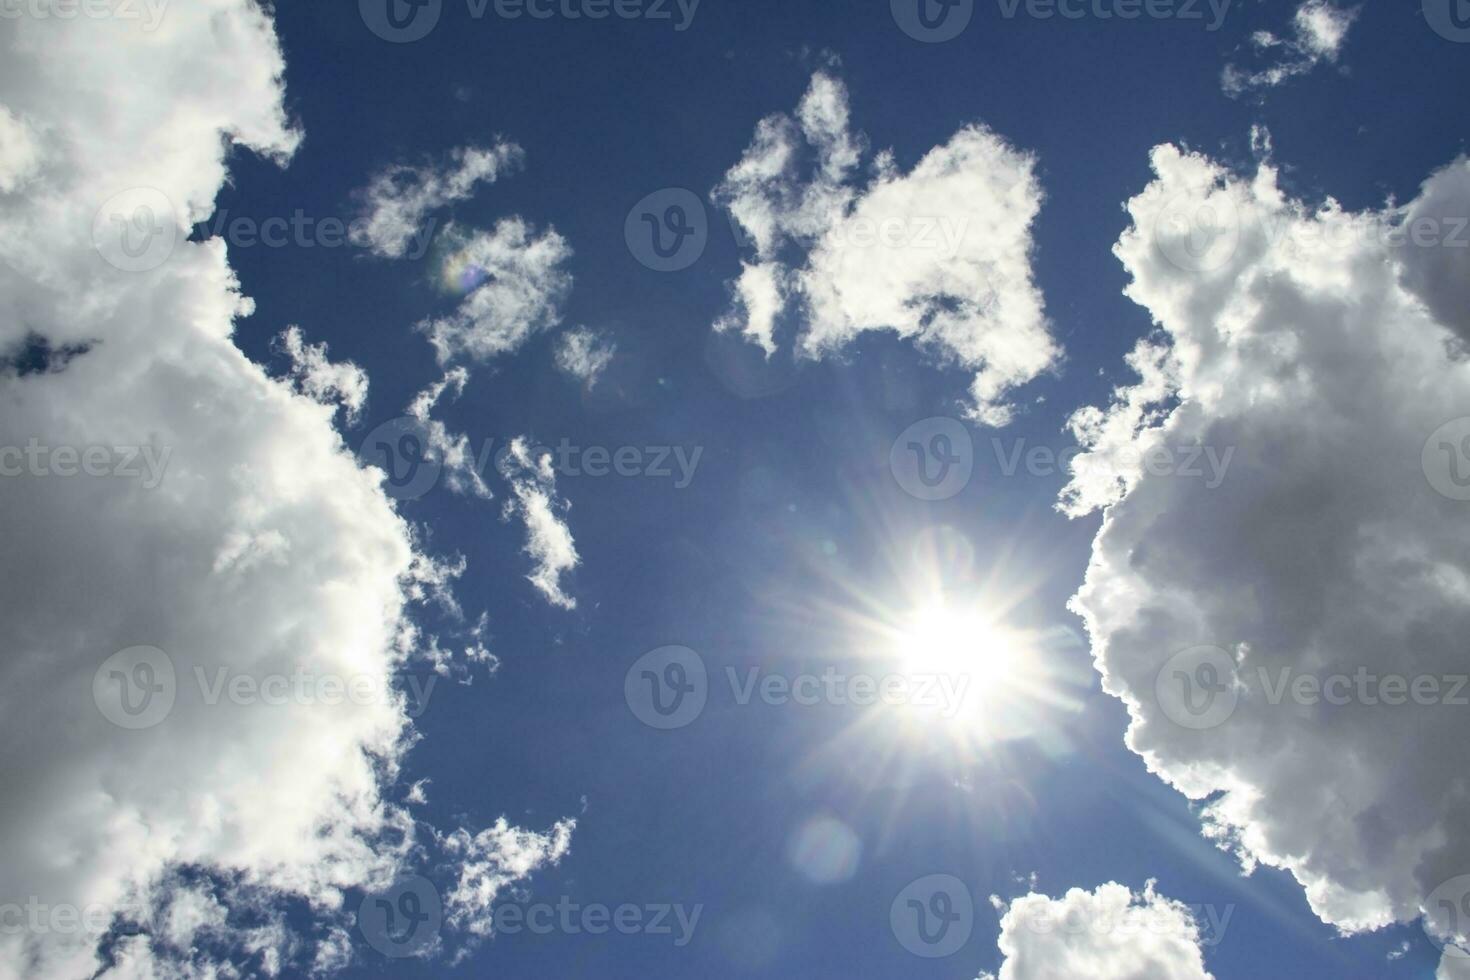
point(940, 256)
point(319, 378)
point(265, 550)
point(1109, 934)
point(1322, 345)
point(398, 200)
point(514, 282)
point(549, 543)
point(1319, 31)
point(584, 354)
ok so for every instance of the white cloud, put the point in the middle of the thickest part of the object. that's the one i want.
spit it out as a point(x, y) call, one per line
point(397, 201)
point(20, 156)
point(322, 380)
point(265, 550)
point(1319, 31)
point(1307, 339)
point(492, 860)
point(515, 281)
point(1109, 934)
point(548, 541)
point(461, 468)
point(584, 354)
point(940, 256)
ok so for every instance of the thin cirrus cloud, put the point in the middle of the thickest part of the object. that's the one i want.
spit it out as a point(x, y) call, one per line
point(1324, 347)
point(1111, 933)
point(400, 199)
point(514, 282)
point(584, 354)
point(265, 549)
point(941, 256)
point(1319, 31)
point(549, 542)
point(511, 283)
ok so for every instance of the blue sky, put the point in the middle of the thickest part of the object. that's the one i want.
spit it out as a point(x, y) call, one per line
point(787, 544)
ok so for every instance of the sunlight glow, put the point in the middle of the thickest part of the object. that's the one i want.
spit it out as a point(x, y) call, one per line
point(940, 641)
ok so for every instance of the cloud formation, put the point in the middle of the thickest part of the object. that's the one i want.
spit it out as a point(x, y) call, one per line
point(549, 543)
point(143, 789)
point(322, 380)
point(514, 284)
point(397, 201)
point(584, 354)
point(1325, 346)
point(1109, 934)
point(941, 256)
point(1319, 31)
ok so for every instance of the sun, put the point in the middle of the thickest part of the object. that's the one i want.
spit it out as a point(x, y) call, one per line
point(942, 641)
